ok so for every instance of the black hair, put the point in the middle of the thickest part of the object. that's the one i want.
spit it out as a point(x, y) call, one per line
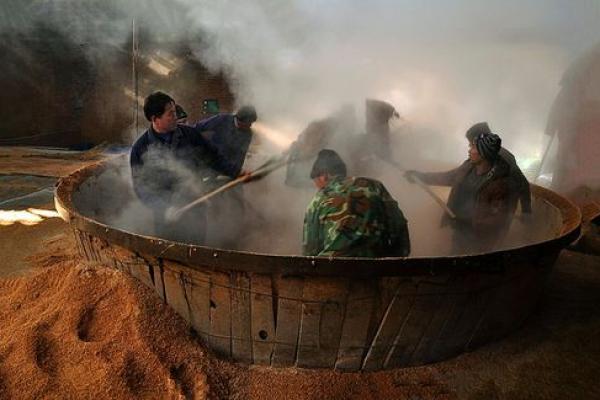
point(328, 162)
point(155, 104)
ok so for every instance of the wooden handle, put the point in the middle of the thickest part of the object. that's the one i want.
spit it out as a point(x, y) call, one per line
point(434, 196)
point(262, 171)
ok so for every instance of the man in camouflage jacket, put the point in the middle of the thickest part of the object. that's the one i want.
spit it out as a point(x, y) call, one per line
point(352, 216)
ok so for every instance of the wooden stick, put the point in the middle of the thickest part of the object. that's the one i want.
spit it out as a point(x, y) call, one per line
point(434, 196)
point(427, 189)
point(259, 173)
point(544, 157)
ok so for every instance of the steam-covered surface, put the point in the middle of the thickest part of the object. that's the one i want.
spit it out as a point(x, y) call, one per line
point(274, 214)
point(443, 65)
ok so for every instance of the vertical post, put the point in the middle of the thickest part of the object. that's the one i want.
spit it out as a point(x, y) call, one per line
point(134, 57)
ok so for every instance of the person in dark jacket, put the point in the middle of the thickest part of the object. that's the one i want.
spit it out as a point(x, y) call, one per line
point(519, 178)
point(169, 163)
point(231, 135)
point(483, 196)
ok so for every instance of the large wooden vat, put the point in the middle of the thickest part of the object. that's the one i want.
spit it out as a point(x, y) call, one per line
point(344, 314)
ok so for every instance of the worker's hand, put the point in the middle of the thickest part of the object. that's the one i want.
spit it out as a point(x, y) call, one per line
point(410, 174)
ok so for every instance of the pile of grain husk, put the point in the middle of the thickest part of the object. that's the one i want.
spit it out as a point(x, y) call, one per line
point(74, 330)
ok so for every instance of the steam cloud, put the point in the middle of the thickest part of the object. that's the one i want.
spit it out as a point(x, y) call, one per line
point(443, 65)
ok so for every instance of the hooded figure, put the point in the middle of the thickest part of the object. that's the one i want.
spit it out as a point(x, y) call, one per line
point(483, 196)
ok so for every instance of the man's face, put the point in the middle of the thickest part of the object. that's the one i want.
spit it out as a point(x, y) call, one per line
point(474, 155)
point(167, 121)
point(321, 181)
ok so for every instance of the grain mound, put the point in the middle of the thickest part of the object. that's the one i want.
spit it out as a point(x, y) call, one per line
point(74, 330)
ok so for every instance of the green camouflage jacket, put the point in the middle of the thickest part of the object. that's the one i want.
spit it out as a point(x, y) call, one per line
point(355, 217)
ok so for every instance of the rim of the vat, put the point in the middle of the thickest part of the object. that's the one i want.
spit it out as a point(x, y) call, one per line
point(297, 265)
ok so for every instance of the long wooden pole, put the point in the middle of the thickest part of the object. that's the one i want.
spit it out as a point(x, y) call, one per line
point(425, 187)
point(262, 171)
point(435, 197)
point(134, 75)
point(544, 157)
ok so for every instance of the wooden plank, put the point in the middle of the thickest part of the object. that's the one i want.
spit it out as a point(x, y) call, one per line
point(263, 324)
point(289, 307)
point(423, 353)
point(353, 342)
point(421, 313)
point(139, 269)
point(321, 324)
point(175, 293)
point(389, 326)
point(467, 310)
point(241, 324)
point(159, 284)
point(386, 288)
point(220, 314)
point(499, 314)
point(198, 294)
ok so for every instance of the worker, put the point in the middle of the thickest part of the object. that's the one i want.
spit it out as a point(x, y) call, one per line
point(169, 162)
point(483, 196)
point(231, 134)
point(351, 216)
point(517, 175)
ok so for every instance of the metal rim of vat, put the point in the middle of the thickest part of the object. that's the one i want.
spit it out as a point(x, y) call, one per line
point(293, 265)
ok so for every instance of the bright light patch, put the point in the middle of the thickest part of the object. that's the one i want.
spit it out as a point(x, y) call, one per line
point(159, 67)
point(129, 93)
point(275, 136)
point(31, 216)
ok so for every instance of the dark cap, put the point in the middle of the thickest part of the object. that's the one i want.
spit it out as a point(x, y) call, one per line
point(328, 162)
point(488, 145)
point(180, 112)
point(476, 130)
point(246, 114)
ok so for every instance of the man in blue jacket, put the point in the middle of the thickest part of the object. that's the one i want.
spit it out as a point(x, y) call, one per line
point(231, 135)
point(170, 163)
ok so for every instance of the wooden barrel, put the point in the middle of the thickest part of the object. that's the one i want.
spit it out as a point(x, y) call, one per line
point(347, 314)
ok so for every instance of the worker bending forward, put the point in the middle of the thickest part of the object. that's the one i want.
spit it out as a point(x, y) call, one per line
point(351, 216)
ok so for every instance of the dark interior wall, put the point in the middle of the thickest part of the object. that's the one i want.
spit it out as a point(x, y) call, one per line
point(56, 91)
